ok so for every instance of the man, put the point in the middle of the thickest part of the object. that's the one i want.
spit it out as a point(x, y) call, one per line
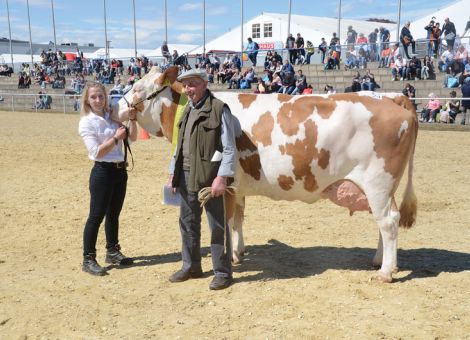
point(448, 29)
point(429, 28)
point(384, 37)
point(351, 37)
point(204, 157)
point(373, 44)
point(290, 45)
point(300, 83)
point(465, 102)
point(467, 27)
point(252, 51)
point(407, 39)
point(299, 44)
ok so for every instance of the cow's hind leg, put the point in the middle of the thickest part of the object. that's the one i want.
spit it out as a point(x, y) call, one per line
point(237, 231)
point(378, 257)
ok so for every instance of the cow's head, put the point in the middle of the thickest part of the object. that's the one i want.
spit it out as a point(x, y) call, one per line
point(156, 115)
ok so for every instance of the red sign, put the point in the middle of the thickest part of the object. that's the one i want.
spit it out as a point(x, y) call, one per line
point(266, 46)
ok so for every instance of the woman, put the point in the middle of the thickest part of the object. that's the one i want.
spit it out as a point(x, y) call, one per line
point(436, 38)
point(103, 139)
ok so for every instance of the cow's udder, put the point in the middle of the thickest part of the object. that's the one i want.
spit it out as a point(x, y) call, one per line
point(347, 194)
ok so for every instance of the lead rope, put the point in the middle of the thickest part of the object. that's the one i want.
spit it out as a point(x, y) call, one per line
point(127, 147)
point(204, 195)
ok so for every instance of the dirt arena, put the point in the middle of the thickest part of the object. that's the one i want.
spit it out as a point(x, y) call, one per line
point(307, 273)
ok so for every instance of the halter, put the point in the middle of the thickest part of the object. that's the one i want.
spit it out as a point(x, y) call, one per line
point(149, 97)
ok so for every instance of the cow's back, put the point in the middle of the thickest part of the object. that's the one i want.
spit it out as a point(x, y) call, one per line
point(293, 147)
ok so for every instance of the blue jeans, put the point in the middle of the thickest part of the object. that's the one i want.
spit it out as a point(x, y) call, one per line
point(107, 192)
point(190, 228)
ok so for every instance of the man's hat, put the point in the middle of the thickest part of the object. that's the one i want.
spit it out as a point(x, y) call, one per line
point(193, 73)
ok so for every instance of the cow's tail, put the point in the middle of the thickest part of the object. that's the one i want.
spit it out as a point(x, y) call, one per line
point(409, 204)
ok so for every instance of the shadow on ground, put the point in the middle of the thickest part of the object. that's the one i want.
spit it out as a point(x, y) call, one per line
point(276, 260)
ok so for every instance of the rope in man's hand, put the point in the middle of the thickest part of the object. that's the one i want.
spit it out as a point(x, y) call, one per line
point(205, 194)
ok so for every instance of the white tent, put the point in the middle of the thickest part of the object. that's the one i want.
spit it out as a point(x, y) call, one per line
point(458, 13)
point(19, 58)
point(311, 28)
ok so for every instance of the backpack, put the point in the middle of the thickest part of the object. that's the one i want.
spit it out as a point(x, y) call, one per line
point(452, 82)
point(256, 46)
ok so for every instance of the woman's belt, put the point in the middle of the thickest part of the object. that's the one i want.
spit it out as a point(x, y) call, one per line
point(113, 165)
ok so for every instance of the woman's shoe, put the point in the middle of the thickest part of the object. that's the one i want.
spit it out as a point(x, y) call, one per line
point(91, 266)
point(114, 256)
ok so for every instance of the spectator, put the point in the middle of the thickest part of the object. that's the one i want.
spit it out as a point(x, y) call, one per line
point(414, 69)
point(451, 109)
point(334, 41)
point(290, 45)
point(117, 88)
point(407, 39)
point(300, 83)
point(427, 71)
point(399, 68)
point(356, 84)
point(5, 70)
point(174, 56)
point(332, 60)
point(323, 48)
point(465, 102)
point(288, 82)
point(430, 111)
point(351, 37)
point(362, 58)
point(329, 89)
point(373, 36)
point(384, 37)
point(287, 68)
point(310, 51)
point(446, 60)
point(462, 55)
point(467, 27)
point(368, 82)
point(436, 38)
point(429, 28)
point(165, 52)
point(234, 82)
point(252, 50)
point(268, 59)
point(308, 90)
point(300, 44)
point(277, 82)
point(448, 30)
point(384, 57)
point(262, 87)
point(236, 62)
point(58, 82)
point(351, 60)
point(410, 92)
point(247, 78)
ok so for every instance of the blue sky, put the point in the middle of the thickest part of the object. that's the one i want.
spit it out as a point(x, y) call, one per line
point(82, 21)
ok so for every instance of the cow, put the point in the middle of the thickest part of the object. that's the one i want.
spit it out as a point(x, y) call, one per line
point(350, 148)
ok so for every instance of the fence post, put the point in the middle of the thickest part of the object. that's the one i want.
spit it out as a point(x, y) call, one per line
point(13, 102)
point(63, 101)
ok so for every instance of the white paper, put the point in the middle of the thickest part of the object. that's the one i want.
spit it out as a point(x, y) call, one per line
point(217, 156)
point(170, 197)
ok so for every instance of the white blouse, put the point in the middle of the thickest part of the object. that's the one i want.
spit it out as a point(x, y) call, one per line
point(95, 130)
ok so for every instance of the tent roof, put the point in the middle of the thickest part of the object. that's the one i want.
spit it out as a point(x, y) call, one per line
point(458, 13)
point(311, 28)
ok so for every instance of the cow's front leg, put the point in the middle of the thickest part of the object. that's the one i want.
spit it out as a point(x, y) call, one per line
point(237, 231)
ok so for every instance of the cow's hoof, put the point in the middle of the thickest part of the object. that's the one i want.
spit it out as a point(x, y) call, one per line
point(236, 259)
point(395, 270)
point(377, 263)
point(384, 278)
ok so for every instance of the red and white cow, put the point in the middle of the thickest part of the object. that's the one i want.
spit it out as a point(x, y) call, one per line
point(351, 148)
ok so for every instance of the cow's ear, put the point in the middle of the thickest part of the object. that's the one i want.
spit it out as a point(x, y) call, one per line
point(168, 76)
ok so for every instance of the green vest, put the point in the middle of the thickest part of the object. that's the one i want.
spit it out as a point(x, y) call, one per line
point(205, 140)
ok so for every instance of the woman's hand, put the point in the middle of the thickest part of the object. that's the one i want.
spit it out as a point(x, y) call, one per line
point(120, 133)
point(132, 113)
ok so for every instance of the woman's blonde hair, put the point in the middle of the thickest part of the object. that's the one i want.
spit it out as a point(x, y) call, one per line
point(85, 107)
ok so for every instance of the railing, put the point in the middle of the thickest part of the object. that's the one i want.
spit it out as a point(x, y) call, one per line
point(67, 103)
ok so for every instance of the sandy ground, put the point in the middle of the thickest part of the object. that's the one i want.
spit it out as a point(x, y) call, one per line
point(307, 273)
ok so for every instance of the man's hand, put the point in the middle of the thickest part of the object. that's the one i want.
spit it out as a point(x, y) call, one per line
point(218, 186)
point(170, 183)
